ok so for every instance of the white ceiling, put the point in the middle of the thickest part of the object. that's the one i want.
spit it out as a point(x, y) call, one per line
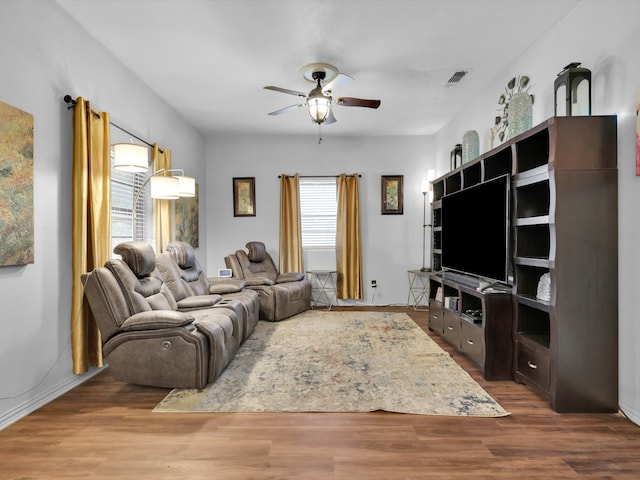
point(209, 59)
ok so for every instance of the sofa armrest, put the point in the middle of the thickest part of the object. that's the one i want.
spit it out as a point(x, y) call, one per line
point(256, 281)
point(290, 277)
point(195, 302)
point(155, 320)
point(225, 285)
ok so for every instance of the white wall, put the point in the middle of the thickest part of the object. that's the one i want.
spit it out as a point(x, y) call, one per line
point(392, 244)
point(44, 56)
point(604, 36)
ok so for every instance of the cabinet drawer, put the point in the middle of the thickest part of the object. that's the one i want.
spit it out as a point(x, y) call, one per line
point(533, 364)
point(435, 317)
point(472, 342)
point(451, 330)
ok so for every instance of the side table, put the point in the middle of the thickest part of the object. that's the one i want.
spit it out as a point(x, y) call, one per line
point(418, 288)
point(323, 287)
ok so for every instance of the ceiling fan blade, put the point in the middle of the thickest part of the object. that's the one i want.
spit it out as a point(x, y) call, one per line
point(286, 90)
point(338, 83)
point(286, 109)
point(358, 102)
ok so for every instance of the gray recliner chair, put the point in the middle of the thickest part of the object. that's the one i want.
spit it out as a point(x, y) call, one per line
point(281, 295)
point(145, 338)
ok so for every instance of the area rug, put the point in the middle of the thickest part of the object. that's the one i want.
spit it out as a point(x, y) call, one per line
point(323, 361)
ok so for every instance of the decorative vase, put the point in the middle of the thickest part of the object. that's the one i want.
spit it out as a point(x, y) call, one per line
point(520, 113)
point(470, 146)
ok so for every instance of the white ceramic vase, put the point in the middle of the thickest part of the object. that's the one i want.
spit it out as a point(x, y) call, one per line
point(520, 113)
point(470, 146)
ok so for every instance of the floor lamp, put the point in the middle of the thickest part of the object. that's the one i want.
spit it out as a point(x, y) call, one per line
point(166, 183)
point(165, 187)
point(426, 190)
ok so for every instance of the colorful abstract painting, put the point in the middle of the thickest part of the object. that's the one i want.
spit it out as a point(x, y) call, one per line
point(186, 220)
point(16, 186)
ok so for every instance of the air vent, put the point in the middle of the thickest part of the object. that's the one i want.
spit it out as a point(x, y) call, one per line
point(456, 77)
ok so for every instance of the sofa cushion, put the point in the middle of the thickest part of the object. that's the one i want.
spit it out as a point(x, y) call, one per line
point(139, 257)
point(198, 301)
point(155, 320)
point(183, 253)
point(226, 285)
point(254, 281)
point(141, 293)
point(257, 251)
point(290, 277)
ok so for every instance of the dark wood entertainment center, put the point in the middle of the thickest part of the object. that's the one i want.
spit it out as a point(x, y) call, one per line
point(564, 223)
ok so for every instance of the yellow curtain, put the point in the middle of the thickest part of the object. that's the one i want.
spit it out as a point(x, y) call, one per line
point(290, 228)
point(161, 158)
point(91, 225)
point(348, 242)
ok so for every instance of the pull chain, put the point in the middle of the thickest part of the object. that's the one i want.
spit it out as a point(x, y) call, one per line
point(319, 133)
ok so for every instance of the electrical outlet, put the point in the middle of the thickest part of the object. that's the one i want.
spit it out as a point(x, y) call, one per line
point(374, 284)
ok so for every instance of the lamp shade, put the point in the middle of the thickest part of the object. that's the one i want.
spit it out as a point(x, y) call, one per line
point(164, 188)
point(318, 108)
point(186, 186)
point(425, 186)
point(130, 157)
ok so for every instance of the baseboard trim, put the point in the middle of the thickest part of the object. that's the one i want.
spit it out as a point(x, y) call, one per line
point(33, 404)
point(631, 413)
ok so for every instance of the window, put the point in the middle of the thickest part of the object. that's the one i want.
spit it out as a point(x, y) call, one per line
point(318, 207)
point(124, 186)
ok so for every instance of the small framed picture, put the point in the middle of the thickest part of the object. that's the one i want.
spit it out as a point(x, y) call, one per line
point(224, 272)
point(244, 197)
point(392, 195)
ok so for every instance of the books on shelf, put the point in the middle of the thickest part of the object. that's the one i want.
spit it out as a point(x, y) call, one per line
point(439, 295)
point(451, 303)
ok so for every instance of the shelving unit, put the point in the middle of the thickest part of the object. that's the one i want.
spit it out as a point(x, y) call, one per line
point(479, 325)
point(564, 223)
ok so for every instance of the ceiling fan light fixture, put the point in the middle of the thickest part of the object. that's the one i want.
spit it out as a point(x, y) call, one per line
point(319, 101)
point(319, 108)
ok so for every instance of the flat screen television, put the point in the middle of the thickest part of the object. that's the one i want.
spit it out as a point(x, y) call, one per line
point(475, 230)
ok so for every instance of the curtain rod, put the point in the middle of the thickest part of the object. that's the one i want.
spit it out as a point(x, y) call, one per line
point(319, 176)
point(72, 103)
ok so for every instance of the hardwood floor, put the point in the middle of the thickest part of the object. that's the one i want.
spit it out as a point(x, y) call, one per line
point(106, 430)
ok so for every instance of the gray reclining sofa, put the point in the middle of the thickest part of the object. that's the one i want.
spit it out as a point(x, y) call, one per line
point(159, 325)
point(281, 295)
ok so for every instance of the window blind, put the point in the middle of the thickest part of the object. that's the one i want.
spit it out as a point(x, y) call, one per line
point(124, 186)
point(318, 208)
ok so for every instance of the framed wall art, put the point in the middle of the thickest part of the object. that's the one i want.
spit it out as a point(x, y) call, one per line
point(392, 194)
point(16, 186)
point(244, 197)
point(186, 220)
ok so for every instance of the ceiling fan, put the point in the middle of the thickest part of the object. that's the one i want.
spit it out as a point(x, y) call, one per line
point(320, 100)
